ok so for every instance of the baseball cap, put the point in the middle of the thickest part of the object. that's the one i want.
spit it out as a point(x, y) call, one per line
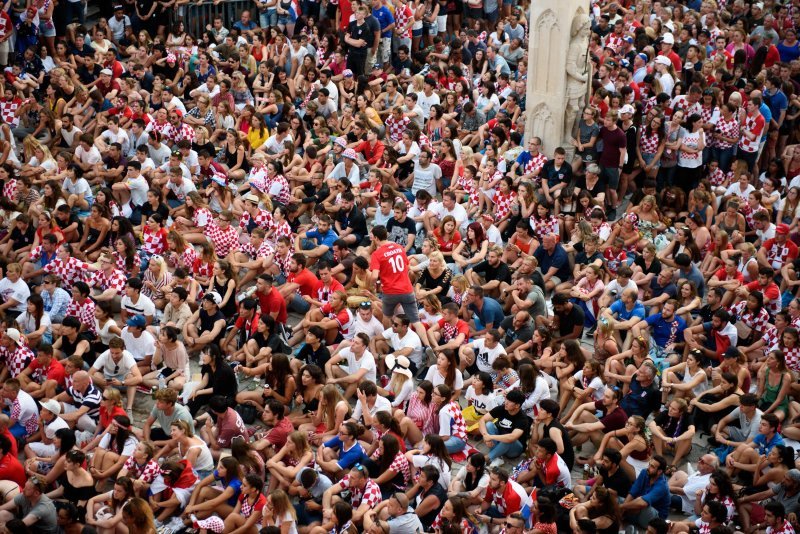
point(782, 229)
point(347, 73)
point(214, 297)
point(664, 60)
point(668, 38)
point(14, 334)
point(627, 109)
point(138, 321)
point(107, 72)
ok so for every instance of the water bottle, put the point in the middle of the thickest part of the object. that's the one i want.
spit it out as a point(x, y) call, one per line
point(161, 382)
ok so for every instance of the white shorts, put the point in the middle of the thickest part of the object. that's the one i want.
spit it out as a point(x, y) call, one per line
point(85, 423)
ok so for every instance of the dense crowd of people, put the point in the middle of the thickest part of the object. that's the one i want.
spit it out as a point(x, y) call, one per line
point(361, 298)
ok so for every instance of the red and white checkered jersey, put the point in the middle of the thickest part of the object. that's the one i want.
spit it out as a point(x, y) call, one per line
point(71, 271)
point(224, 240)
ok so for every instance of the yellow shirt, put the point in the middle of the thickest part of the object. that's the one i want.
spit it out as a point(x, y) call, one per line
point(256, 140)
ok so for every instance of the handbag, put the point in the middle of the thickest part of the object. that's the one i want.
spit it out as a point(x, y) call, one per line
point(247, 412)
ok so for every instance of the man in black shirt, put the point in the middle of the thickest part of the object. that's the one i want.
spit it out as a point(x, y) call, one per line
point(350, 222)
point(360, 39)
point(402, 230)
point(493, 271)
point(567, 317)
point(314, 350)
point(508, 436)
point(609, 476)
point(713, 303)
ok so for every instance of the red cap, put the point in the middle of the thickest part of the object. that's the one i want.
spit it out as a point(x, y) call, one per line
point(782, 229)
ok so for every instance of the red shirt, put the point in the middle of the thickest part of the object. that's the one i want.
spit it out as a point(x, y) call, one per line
point(106, 416)
point(55, 371)
point(11, 469)
point(279, 433)
point(371, 154)
point(723, 276)
point(345, 9)
point(307, 281)
point(451, 332)
point(273, 302)
point(248, 324)
point(14, 450)
point(391, 262)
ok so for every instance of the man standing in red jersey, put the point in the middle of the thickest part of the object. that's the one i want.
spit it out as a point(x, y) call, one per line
point(389, 264)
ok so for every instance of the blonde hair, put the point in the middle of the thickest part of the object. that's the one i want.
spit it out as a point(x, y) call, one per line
point(460, 283)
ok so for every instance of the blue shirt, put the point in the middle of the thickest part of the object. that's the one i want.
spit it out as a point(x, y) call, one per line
point(640, 401)
point(557, 259)
point(385, 18)
point(656, 494)
point(323, 239)
point(239, 26)
point(236, 484)
point(767, 113)
point(622, 312)
point(347, 458)
point(763, 446)
point(777, 102)
point(56, 304)
point(663, 330)
point(491, 312)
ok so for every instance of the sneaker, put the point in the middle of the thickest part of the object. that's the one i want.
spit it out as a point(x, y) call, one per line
point(497, 462)
point(431, 355)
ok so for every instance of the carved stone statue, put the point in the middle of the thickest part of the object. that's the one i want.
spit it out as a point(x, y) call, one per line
point(577, 73)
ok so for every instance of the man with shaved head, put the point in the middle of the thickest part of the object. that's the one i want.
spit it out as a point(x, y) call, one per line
point(80, 403)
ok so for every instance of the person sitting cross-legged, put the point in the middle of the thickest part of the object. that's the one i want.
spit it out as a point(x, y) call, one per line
point(505, 429)
point(584, 425)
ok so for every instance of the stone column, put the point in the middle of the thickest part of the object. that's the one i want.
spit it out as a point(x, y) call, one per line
point(558, 71)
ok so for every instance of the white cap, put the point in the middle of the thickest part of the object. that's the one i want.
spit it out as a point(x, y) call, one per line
point(664, 60)
point(627, 109)
point(668, 38)
point(107, 72)
point(52, 406)
point(213, 296)
point(15, 336)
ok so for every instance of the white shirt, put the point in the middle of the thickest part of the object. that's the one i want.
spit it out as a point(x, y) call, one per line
point(18, 291)
point(80, 187)
point(90, 156)
point(458, 212)
point(140, 347)
point(435, 377)
point(382, 404)
point(138, 188)
point(696, 481)
point(425, 178)
point(372, 328)
point(144, 306)
point(367, 362)
point(426, 102)
point(485, 357)
point(53, 426)
point(410, 341)
point(107, 364)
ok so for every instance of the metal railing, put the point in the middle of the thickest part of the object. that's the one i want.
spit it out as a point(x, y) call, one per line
point(197, 16)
